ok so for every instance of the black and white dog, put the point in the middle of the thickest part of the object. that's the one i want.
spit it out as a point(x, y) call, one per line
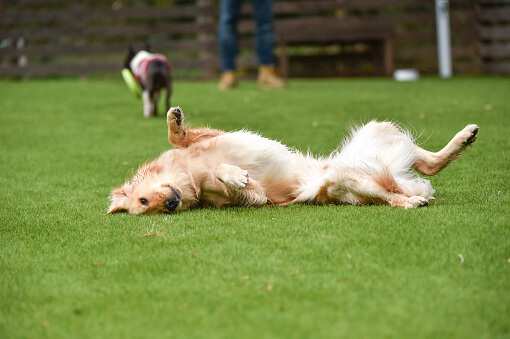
point(154, 73)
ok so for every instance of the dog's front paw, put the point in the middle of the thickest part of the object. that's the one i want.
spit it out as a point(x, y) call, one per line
point(232, 176)
point(176, 131)
point(174, 118)
point(469, 134)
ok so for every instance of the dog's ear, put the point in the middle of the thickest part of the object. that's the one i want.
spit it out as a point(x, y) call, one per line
point(119, 199)
point(129, 57)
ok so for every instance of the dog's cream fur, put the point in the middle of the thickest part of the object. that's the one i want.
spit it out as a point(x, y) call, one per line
point(375, 165)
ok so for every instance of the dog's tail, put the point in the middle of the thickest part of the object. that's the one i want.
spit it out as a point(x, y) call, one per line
point(382, 142)
point(379, 147)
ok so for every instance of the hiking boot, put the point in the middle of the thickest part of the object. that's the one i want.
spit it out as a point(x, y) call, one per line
point(268, 78)
point(228, 80)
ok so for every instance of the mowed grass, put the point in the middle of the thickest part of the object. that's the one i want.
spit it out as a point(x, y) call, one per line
point(69, 270)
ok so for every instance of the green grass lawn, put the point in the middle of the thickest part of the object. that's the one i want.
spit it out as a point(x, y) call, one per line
point(69, 270)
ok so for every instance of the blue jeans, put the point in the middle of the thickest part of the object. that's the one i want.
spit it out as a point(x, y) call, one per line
point(228, 38)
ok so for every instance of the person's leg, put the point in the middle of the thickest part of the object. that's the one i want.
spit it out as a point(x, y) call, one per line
point(264, 41)
point(227, 33)
point(264, 44)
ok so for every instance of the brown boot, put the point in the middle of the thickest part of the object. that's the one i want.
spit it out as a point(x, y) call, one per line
point(269, 79)
point(228, 80)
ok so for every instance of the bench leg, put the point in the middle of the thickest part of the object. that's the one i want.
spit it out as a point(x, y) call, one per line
point(283, 61)
point(388, 57)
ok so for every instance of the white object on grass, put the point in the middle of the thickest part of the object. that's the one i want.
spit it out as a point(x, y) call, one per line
point(409, 74)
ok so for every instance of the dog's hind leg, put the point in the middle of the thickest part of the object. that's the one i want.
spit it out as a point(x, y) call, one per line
point(180, 136)
point(430, 163)
point(355, 186)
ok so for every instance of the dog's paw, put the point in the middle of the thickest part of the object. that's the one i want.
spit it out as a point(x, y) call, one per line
point(176, 130)
point(468, 134)
point(232, 176)
point(174, 118)
point(416, 201)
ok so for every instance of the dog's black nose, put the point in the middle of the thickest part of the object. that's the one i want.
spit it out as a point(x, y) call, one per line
point(172, 204)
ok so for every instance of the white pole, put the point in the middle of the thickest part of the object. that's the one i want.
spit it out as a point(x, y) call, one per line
point(444, 53)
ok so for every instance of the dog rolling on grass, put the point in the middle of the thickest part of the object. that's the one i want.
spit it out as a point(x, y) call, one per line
point(154, 73)
point(377, 164)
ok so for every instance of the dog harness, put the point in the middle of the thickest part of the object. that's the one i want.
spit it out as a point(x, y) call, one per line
point(141, 71)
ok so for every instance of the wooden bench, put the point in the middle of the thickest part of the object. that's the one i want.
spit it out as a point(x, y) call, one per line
point(331, 32)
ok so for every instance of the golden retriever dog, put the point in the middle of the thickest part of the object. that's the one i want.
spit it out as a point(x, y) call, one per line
point(377, 164)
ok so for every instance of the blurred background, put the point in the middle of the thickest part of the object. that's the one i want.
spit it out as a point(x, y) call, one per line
point(48, 38)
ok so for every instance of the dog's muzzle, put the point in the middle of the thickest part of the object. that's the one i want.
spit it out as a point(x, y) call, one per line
point(174, 202)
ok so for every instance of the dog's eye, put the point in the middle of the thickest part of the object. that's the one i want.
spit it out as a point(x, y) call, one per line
point(144, 201)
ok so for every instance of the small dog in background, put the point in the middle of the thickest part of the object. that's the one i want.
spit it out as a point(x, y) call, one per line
point(154, 73)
